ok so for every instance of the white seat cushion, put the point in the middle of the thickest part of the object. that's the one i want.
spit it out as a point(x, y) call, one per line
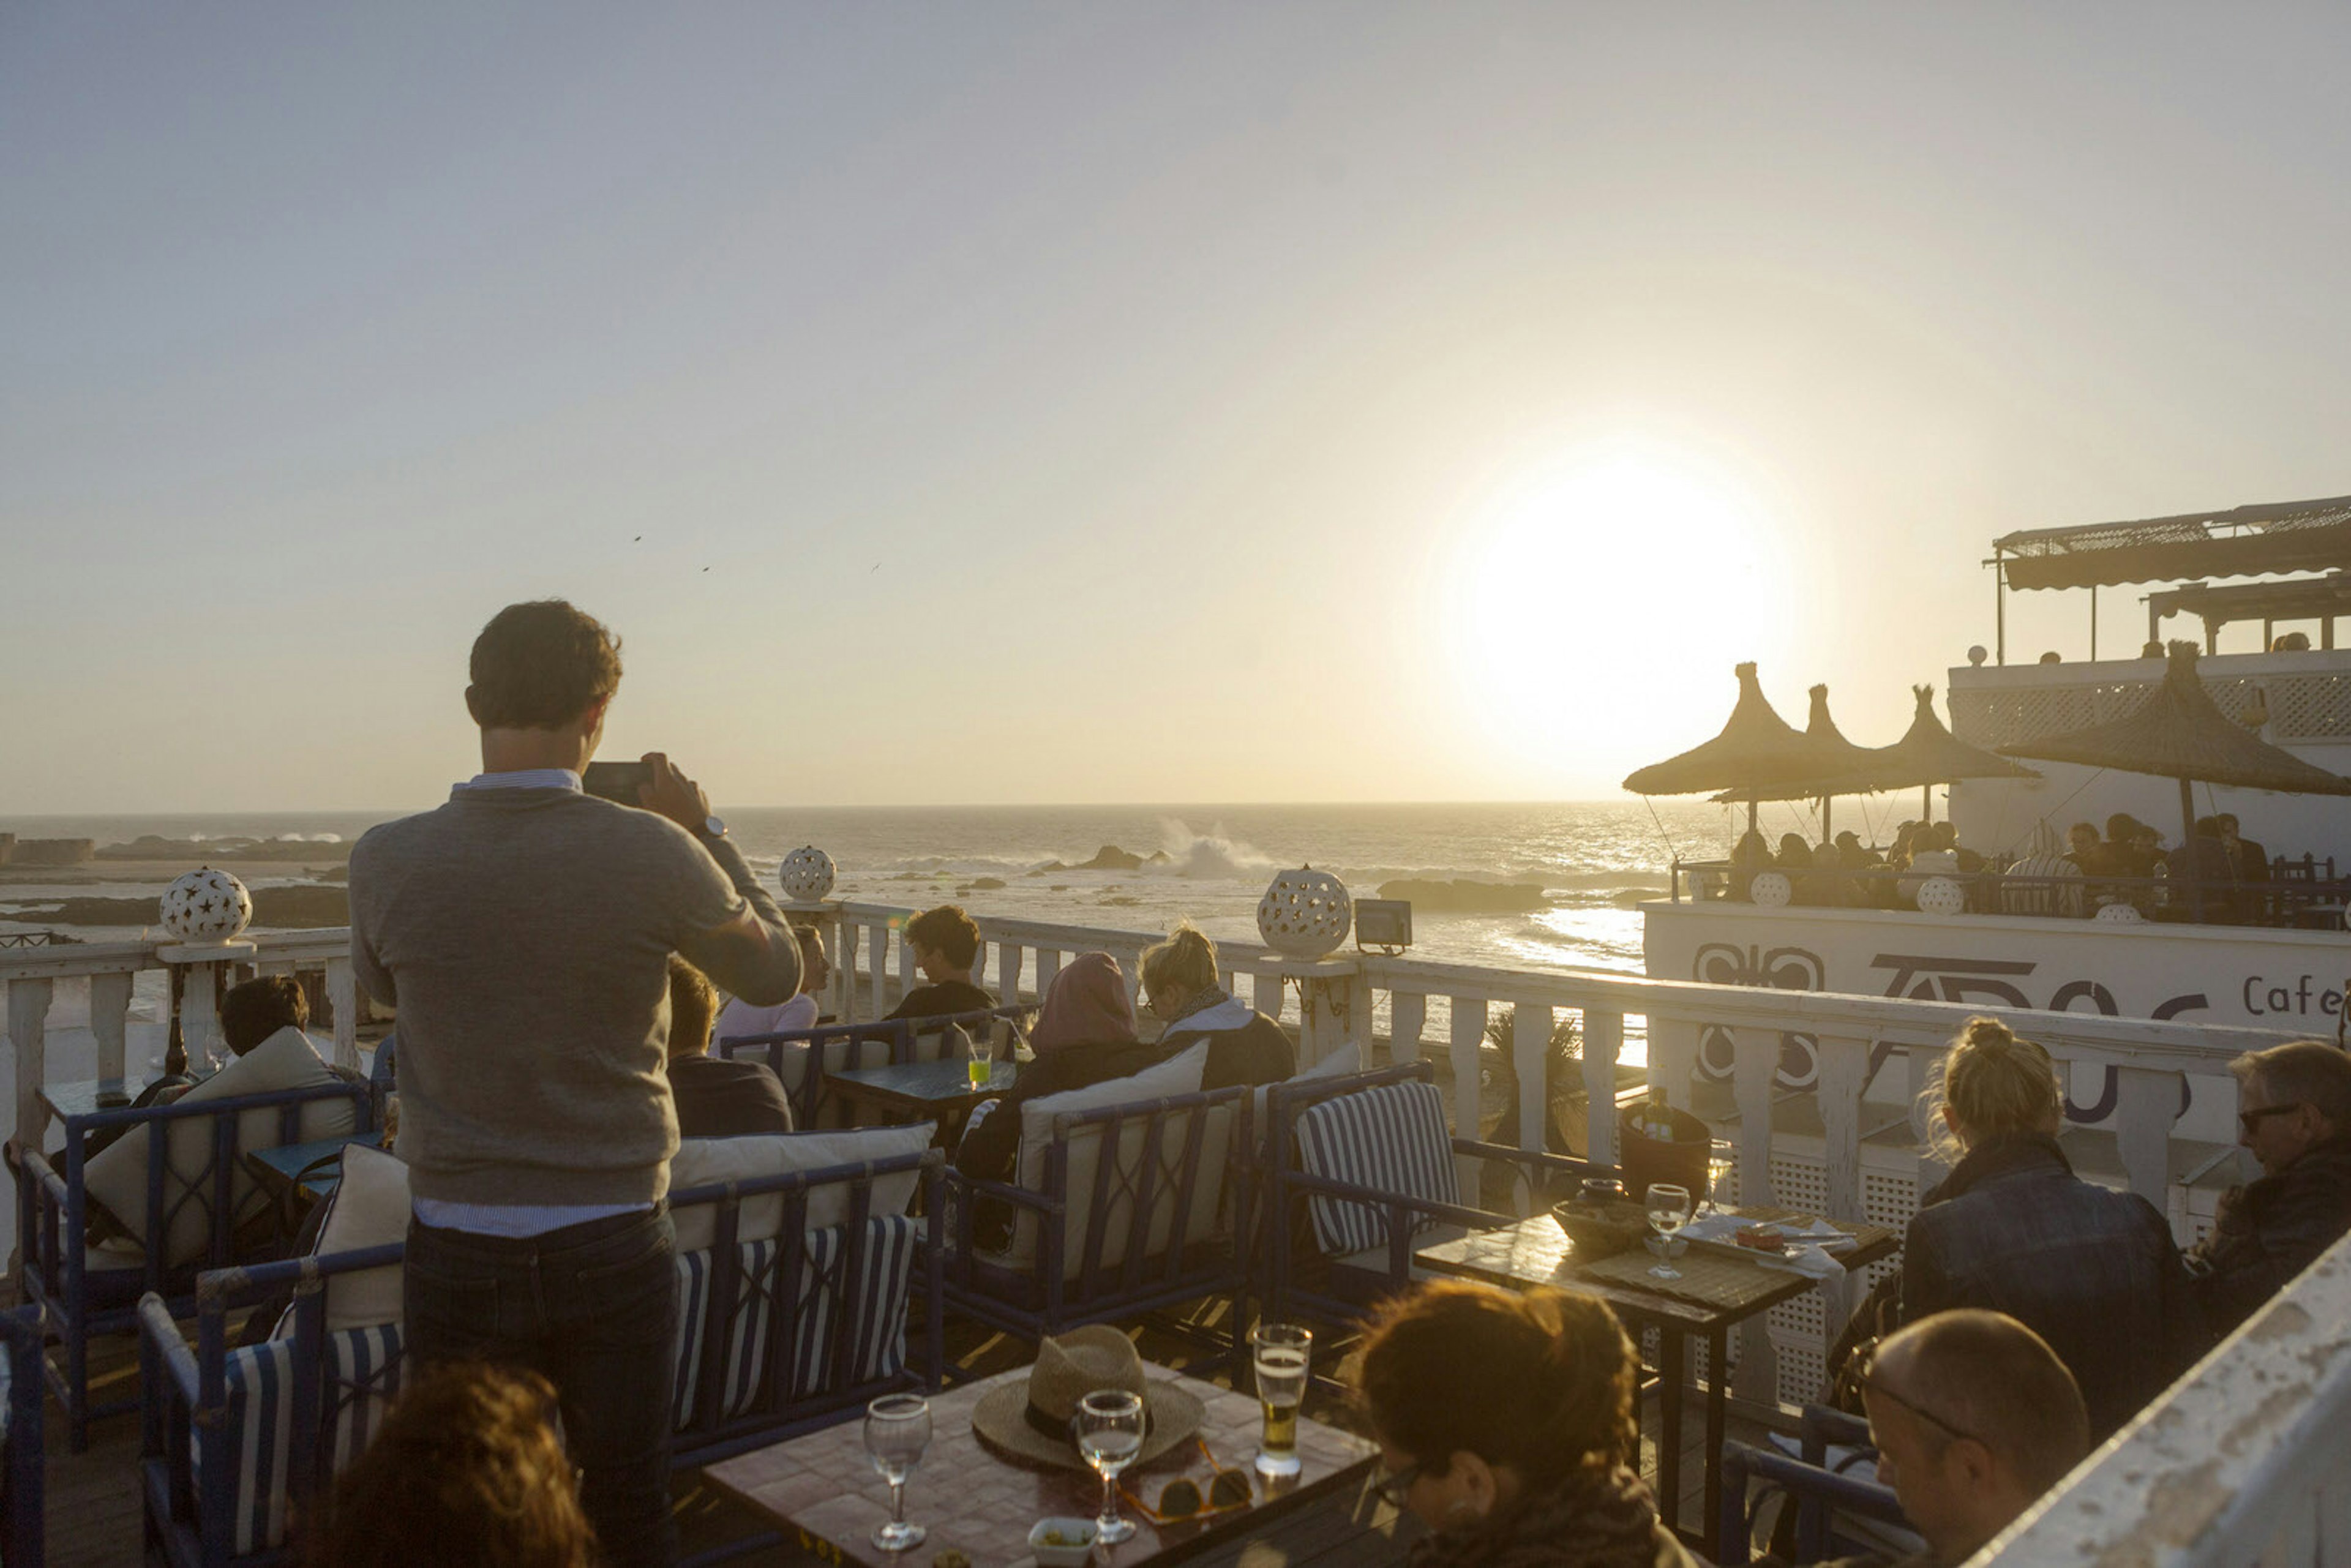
point(117, 1177)
point(701, 1162)
point(369, 1208)
point(1180, 1074)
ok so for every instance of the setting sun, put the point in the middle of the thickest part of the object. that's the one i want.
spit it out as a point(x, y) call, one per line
point(1603, 593)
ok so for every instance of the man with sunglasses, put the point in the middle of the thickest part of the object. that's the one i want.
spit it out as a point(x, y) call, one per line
point(2293, 1114)
point(1974, 1418)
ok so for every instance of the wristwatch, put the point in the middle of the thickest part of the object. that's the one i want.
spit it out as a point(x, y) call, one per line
point(714, 827)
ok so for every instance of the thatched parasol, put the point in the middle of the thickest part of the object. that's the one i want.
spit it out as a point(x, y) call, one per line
point(1756, 747)
point(1928, 754)
point(1840, 767)
point(2180, 733)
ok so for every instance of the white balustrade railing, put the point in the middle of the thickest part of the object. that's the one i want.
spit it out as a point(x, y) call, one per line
point(2245, 1460)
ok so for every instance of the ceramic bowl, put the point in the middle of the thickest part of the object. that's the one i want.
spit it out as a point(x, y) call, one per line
point(1077, 1535)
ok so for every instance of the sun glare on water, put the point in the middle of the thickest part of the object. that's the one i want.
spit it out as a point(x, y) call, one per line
point(1602, 601)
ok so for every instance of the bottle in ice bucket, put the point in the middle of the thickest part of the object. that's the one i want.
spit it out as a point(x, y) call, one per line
point(1281, 1353)
point(1656, 1120)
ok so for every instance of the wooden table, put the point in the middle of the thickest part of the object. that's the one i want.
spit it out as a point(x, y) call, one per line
point(824, 1488)
point(937, 1090)
point(1536, 1251)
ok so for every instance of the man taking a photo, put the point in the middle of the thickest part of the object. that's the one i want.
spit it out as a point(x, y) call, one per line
point(524, 931)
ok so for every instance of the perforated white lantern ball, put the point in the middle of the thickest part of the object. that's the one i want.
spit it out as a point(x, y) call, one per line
point(806, 874)
point(206, 905)
point(1305, 914)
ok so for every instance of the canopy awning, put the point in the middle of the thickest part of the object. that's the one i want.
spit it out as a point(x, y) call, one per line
point(2279, 537)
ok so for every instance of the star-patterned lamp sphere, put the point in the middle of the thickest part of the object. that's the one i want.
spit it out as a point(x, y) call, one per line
point(806, 874)
point(1305, 914)
point(206, 905)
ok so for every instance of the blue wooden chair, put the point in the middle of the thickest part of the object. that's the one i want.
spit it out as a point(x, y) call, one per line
point(794, 1328)
point(196, 1174)
point(1133, 1210)
point(1361, 1171)
point(1819, 1494)
point(21, 1450)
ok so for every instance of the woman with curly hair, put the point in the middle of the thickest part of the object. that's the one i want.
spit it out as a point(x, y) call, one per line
point(468, 1472)
point(1506, 1423)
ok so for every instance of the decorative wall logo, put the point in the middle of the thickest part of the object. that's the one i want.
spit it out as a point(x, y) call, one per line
point(1777, 969)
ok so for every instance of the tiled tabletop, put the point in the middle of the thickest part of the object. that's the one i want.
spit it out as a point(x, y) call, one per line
point(972, 1501)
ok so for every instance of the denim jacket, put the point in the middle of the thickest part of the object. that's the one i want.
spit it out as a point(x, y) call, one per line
point(2093, 1272)
point(2268, 1231)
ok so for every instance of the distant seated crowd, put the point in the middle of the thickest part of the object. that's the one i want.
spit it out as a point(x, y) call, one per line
point(2219, 876)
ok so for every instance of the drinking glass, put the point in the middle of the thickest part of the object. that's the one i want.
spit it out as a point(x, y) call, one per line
point(897, 1430)
point(1280, 1353)
point(1669, 1210)
point(981, 1064)
point(1109, 1423)
point(1721, 1159)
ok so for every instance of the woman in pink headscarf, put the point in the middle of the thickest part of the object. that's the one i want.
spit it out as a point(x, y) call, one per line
point(1084, 1034)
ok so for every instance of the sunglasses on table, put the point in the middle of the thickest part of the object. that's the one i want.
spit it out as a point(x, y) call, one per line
point(1866, 1376)
point(2251, 1121)
point(1181, 1499)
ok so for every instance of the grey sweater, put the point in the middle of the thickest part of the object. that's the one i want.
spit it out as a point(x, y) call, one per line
point(525, 936)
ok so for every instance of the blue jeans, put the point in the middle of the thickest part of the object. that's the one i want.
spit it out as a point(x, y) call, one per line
point(591, 1308)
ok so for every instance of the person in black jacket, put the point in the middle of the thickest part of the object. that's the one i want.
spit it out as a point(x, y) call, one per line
point(716, 1097)
point(945, 943)
point(2013, 1230)
point(1180, 986)
point(2294, 1112)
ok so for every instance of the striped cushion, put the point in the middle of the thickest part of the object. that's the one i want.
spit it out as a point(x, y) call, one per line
point(256, 1434)
point(871, 1308)
point(1392, 1139)
point(364, 1372)
point(693, 1319)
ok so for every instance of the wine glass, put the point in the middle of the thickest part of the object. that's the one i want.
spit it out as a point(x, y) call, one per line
point(1109, 1425)
point(897, 1430)
point(1721, 1159)
point(1669, 1210)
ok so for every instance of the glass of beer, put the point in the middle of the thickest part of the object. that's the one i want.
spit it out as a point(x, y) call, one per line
point(1280, 1353)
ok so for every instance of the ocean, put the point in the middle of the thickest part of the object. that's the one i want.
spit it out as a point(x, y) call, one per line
point(1594, 862)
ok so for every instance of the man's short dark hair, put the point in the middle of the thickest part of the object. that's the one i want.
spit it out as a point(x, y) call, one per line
point(692, 1008)
point(1988, 1376)
point(252, 1012)
point(948, 932)
point(541, 666)
point(2304, 1072)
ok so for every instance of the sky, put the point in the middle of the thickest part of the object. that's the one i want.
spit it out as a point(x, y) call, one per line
point(998, 404)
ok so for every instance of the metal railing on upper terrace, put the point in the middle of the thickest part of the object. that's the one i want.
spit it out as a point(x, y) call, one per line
point(2311, 898)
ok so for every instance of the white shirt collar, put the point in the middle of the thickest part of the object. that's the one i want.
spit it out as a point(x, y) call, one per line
point(526, 779)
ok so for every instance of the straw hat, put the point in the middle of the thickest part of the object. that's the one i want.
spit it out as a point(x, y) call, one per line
point(1030, 1419)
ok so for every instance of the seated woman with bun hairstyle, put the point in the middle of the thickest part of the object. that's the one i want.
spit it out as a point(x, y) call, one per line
point(2013, 1230)
point(1505, 1422)
point(1181, 986)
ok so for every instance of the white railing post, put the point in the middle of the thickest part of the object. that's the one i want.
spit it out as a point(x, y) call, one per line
point(1755, 1063)
point(2147, 1104)
point(1407, 1019)
point(28, 1022)
point(343, 997)
point(1604, 1042)
point(1844, 1073)
point(1008, 973)
point(1265, 994)
point(1468, 1106)
point(1673, 1058)
point(1048, 964)
point(906, 962)
point(877, 969)
point(1530, 1027)
point(844, 970)
point(109, 1020)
